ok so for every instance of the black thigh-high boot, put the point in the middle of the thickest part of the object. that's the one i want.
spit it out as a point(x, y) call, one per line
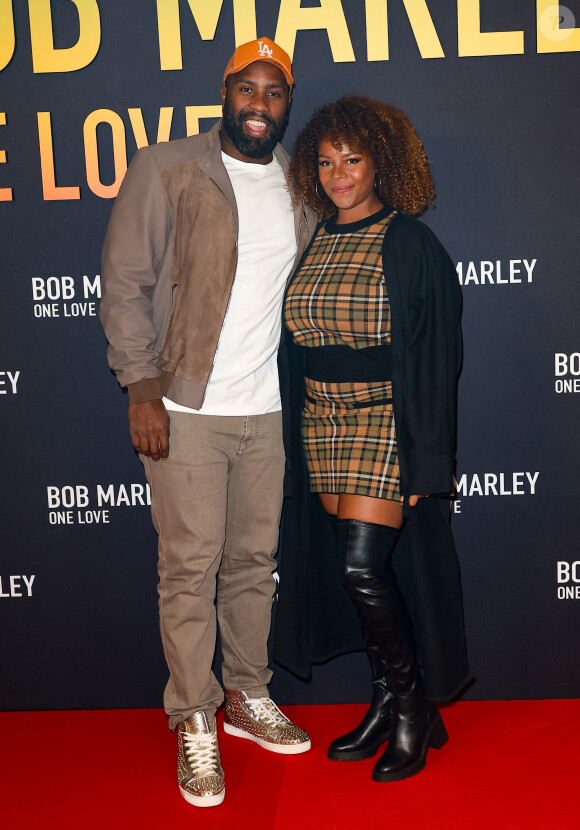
point(364, 741)
point(371, 583)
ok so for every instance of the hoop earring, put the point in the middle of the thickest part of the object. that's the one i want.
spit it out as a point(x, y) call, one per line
point(316, 190)
point(379, 189)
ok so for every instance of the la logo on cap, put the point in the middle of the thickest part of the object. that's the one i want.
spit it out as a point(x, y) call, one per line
point(264, 51)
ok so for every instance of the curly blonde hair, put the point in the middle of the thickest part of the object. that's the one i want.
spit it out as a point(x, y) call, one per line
point(377, 130)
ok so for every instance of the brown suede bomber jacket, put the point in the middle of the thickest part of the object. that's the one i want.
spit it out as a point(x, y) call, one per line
point(169, 262)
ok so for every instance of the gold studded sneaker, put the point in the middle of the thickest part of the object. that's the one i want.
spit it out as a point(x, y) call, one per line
point(199, 771)
point(260, 720)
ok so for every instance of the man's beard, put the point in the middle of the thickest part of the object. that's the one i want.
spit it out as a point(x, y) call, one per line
point(252, 147)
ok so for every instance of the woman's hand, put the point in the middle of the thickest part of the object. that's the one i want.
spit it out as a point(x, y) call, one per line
point(414, 499)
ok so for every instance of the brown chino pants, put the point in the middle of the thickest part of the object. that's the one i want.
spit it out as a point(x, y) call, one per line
point(216, 504)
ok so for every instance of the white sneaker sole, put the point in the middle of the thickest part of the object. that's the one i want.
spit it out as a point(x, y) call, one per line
point(282, 749)
point(203, 800)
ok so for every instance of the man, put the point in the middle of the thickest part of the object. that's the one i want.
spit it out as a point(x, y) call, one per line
point(201, 242)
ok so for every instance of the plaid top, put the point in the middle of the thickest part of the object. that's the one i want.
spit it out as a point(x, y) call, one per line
point(338, 295)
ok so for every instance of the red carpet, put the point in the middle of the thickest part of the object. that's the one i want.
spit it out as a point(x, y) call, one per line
point(508, 765)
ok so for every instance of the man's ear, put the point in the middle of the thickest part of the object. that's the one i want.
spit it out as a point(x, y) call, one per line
point(223, 93)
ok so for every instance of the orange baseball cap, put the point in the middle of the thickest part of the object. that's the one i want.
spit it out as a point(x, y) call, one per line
point(263, 49)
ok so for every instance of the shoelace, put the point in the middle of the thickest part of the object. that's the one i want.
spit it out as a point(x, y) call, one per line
point(201, 753)
point(264, 709)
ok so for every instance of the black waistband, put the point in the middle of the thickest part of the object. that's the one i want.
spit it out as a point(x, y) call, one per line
point(342, 364)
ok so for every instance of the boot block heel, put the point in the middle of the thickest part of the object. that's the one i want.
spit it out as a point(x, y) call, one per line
point(438, 736)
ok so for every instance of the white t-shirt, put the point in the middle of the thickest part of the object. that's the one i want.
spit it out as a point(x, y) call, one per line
point(244, 378)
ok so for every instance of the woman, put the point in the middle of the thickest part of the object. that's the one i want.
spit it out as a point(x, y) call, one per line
point(375, 307)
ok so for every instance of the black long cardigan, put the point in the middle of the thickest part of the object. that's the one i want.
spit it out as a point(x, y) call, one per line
point(315, 619)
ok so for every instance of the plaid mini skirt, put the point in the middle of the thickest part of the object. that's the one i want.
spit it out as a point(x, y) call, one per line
point(349, 440)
